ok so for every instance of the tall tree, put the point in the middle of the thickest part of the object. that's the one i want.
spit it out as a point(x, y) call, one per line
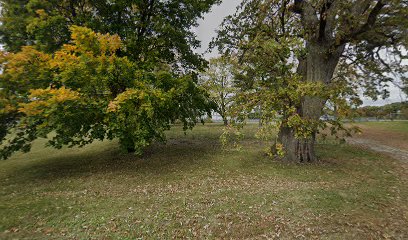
point(85, 91)
point(218, 81)
point(130, 87)
point(311, 55)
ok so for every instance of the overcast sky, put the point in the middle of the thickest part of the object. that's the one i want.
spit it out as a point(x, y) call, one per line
point(211, 21)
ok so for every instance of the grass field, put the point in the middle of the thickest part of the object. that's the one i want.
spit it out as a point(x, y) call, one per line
point(392, 126)
point(394, 133)
point(191, 188)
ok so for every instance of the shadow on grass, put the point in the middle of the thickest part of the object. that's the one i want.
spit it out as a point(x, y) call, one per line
point(108, 158)
point(181, 155)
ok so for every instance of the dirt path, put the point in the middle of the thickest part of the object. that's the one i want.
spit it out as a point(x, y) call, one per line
point(396, 153)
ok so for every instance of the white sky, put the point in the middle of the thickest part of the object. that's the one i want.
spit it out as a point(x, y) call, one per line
point(206, 31)
point(207, 26)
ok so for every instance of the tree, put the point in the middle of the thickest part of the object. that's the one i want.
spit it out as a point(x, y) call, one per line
point(404, 113)
point(85, 91)
point(130, 80)
point(218, 81)
point(311, 56)
point(152, 30)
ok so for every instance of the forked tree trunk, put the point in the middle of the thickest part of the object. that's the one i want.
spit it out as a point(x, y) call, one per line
point(318, 66)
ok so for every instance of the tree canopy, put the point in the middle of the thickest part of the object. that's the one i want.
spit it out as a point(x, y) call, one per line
point(87, 70)
point(218, 81)
point(302, 58)
point(93, 69)
point(151, 30)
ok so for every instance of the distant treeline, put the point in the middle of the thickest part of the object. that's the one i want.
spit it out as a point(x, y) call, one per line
point(390, 111)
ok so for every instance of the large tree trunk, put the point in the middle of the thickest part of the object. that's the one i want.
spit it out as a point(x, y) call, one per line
point(318, 66)
point(299, 150)
point(302, 149)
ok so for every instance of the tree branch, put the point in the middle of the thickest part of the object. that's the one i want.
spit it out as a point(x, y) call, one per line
point(323, 18)
point(308, 15)
point(372, 17)
point(367, 26)
point(282, 17)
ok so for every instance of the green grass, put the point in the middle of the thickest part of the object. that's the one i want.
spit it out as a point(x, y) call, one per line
point(191, 188)
point(393, 126)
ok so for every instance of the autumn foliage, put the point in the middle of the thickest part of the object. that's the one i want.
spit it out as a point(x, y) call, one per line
point(85, 91)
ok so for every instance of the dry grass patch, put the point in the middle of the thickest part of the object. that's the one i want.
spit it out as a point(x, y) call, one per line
point(393, 134)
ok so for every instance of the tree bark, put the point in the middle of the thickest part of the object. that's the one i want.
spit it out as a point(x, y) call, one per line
point(318, 66)
point(225, 120)
point(324, 44)
point(297, 150)
point(260, 116)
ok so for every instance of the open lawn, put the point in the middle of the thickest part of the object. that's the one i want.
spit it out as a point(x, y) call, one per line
point(391, 126)
point(191, 188)
point(393, 133)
